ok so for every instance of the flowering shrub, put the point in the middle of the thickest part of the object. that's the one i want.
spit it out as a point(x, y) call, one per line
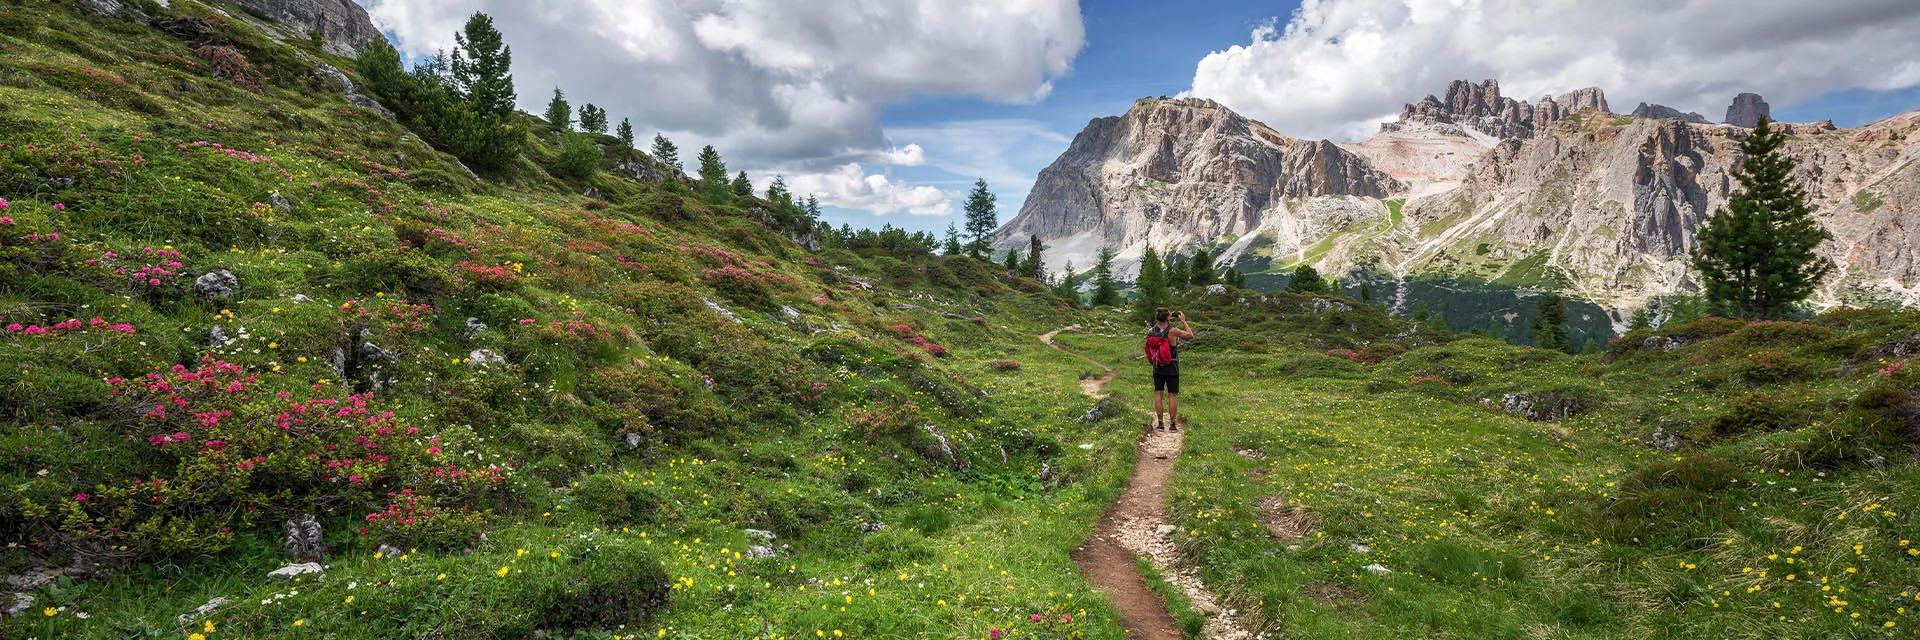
point(884, 418)
point(1350, 354)
point(912, 337)
point(412, 521)
point(496, 278)
point(1004, 365)
point(96, 325)
point(231, 456)
point(748, 287)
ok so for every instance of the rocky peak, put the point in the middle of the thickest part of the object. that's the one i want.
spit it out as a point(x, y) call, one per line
point(1481, 107)
point(343, 26)
point(1664, 112)
point(1747, 110)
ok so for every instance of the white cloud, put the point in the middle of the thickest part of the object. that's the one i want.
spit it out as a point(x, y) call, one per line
point(770, 83)
point(1006, 152)
point(1339, 67)
point(850, 187)
point(908, 156)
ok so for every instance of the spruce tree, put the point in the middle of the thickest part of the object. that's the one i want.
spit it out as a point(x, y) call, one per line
point(1175, 273)
point(1105, 294)
point(1420, 311)
point(625, 132)
point(1011, 261)
point(484, 133)
point(1756, 256)
point(982, 218)
point(1550, 324)
point(1065, 287)
point(593, 119)
point(1036, 266)
point(1438, 323)
point(666, 152)
point(1152, 285)
point(952, 246)
point(1590, 348)
point(559, 113)
point(1201, 269)
point(1642, 319)
point(812, 207)
point(714, 185)
point(742, 187)
point(1306, 279)
point(1366, 292)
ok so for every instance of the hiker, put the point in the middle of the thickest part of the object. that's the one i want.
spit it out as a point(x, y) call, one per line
point(1163, 352)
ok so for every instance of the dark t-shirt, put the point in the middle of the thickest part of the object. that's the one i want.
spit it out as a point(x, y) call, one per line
point(1171, 368)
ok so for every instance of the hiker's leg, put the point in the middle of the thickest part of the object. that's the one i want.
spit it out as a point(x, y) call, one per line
point(1173, 409)
point(1159, 404)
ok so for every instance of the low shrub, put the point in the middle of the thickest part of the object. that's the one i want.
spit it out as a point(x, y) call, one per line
point(1752, 413)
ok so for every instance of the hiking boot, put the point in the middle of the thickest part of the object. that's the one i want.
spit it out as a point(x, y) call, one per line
point(1173, 426)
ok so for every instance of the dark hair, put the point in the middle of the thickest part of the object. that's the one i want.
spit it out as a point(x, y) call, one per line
point(1160, 314)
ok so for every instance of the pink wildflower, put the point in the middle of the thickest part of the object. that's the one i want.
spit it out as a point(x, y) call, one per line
point(59, 207)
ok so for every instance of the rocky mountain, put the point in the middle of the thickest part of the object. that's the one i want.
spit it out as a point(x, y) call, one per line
point(1559, 194)
point(1664, 112)
point(1747, 110)
point(342, 24)
point(1176, 171)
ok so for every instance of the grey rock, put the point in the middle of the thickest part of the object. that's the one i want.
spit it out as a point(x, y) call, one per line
point(389, 551)
point(217, 284)
point(217, 337)
point(724, 313)
point(21, 603)
point(34, 578)
point(346, 87)
point(790, 312)
point(939, 448)
point(761, 551)
point(371, 351)
point(1544, 407)
point(305, 541)
point(202, 611)
point(113, 9)
point(907, 307)
point(1217, 289)
point(1101, 410)
point(342, 25)
point(474, 327)
point(1747, 110)
point(1664, 440)
point(870, 526)
point(292, 571)
point(1664, 112)
point(633, 440)
point(1378, 570)
point(301, 298)
point(484, 358)
point(1480, 107)
point(280, 202)
point(759, 534)
point(1360, 548)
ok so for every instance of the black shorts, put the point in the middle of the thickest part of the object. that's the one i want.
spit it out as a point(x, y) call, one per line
point(1168, 381)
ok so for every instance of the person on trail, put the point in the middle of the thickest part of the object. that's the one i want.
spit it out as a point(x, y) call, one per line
point(1163, 352)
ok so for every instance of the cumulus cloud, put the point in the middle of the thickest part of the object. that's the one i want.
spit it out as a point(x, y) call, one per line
point(775, 85)
point(851, 187)
point(1007, 152)
point(1337, 68)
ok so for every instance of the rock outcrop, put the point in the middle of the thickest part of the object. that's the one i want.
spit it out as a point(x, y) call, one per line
point(1172, 171)
point(1481, 107)
point(1664, 112)
point(1747, 110)
point(342, 25)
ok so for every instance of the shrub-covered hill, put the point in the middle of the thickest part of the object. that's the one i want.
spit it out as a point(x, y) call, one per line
point(510, 407)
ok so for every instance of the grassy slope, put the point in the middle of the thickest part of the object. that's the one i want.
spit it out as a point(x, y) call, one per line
point(107, 119)
point(1497, 527)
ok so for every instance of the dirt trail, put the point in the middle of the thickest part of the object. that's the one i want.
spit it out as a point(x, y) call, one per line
point(1137, 524)
point(1096, 386)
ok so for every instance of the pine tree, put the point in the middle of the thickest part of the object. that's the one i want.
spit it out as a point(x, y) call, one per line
point(1496, 330)
point(953, 247)
point(1201, 269)
point(1175, 272)
point(1065, 288)
point(1036, 266)
point(1306, 279)
point(1011, 261)
point(666, 153)
point(1420, 312)
point(1438, 323)
point(981, 219)
point(559, 113)
point(1642, 319)
point(483, 133)
point(1550, 324)
point(1757, 256)
point(625, 132)
point(812, 208)
point(713, 176)
point(1590, 348)
point(742, 187)
point(593, 119)
point(1105, 294)
point(1235, 278)
point(1152, 285)
point(1366, 292)
point(579, 157)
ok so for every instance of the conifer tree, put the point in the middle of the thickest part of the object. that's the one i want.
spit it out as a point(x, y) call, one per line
point(666, 152)
point(742, 187)
point(1306, 279)
point(1065, 287)
point(1152, 285)
point(484, 133)
point(1496, 330)
point(1175, 272)
point(625, 132)
point(1590, 348)
point(1550, 324)
point(1438, 323)
point(593, 119)
point(713, 176)
point(1035, 265)
point(579, 157)
point(982, 218)
point(559, 113)
point(812, 208)
point(1105, 294)
point(1757, 257)
point(953, 247)
point(1642, 319)
point(1366, 292)
point(1201, 269)
point(1420, 311)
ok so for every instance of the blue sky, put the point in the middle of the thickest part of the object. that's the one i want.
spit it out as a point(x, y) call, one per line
point(889, 109)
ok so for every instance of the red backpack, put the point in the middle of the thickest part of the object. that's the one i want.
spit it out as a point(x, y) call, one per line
point(1159, 349)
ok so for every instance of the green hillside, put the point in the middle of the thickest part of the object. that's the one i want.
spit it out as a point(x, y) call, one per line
point(570, 392)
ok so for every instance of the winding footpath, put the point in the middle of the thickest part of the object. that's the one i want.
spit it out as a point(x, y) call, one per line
point(1137, 524)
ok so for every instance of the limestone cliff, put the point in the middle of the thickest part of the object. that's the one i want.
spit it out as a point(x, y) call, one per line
point(1171, 172)
point(342, 25)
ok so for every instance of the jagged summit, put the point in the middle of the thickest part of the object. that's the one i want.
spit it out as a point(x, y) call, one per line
point(1481, 107)
point(1664, 112)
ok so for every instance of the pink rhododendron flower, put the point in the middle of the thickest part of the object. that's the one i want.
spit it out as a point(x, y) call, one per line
point(59, 207)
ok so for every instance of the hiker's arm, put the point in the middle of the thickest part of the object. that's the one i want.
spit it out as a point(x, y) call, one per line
point(1185, 332)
